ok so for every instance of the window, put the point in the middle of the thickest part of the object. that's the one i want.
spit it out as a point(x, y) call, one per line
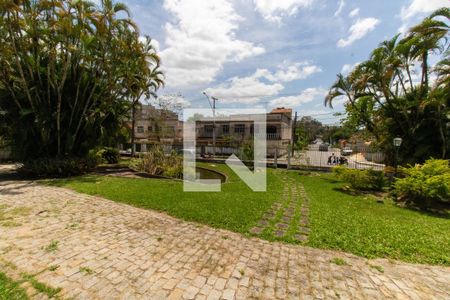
point(252, 129)
point(239, 128)
point(225, 129)
point(140, 129)
point(208, 128)
point(149, 128)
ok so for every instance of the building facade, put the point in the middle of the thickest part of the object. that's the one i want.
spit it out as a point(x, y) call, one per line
point(156, 126)
point(233, 131)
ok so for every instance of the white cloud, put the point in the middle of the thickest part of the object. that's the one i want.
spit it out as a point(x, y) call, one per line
point(354, 13)
point(358, 30)
point(305, 96)
point(340, 8)
point(201, 40)
point(262, 83)
point(244, 90)
point(419, 8)
point(288, 73)
point(416, 7)
point(274, 11)
point(347, 68)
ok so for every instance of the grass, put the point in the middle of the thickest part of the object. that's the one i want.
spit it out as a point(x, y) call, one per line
point(338, 261)
point(356, 224)
point(236, 208)
point(86, 270)
point(41, 287)
point(365, 227)
point(53, 246)
point(10, 289)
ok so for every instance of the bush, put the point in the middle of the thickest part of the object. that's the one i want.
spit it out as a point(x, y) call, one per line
point(110, 155)
point(105, 155)
point(424, 184)
point(156, 162)
point(58, 167)
point(361, 179)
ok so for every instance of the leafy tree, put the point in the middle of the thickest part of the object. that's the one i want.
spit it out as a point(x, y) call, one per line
point(69, 73)
point(392, 94)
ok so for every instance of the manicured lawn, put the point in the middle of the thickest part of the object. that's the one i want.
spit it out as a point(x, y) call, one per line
point(356, 224)
point(10, 289)
point(236, 208)
point(360, 225)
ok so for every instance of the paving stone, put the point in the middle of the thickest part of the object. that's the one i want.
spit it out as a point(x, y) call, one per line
point(300, 237)
point(286, 219)
point(279, 233)
point(256, 230)
point(304, 230)
point(282, 225)
point(120, 243)
point(263, 222)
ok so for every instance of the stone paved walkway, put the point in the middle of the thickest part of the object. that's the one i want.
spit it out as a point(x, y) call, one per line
point(94, 248)
point(288, 217)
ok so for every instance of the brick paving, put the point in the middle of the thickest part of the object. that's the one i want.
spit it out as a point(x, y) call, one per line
point(107, 250)
point(288, 217)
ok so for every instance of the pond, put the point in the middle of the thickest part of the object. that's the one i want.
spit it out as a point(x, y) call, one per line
point(204, 173)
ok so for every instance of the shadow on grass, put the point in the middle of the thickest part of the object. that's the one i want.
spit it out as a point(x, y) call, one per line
point(62, 182)
point(437, 210)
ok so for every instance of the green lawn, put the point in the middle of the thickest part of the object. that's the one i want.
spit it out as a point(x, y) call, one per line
point(236, 208)
point(356, 224)
point(361, 225)
point(10, 290)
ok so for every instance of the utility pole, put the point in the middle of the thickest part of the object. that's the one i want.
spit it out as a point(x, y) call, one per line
point(213, 107)
point(293, 134)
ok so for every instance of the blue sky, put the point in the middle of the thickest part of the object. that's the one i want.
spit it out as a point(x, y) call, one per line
point(264, 54)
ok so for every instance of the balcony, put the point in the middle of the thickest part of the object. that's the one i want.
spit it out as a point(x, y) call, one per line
point(268, 136)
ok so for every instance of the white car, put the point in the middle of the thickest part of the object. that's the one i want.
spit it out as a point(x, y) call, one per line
point(346, 151)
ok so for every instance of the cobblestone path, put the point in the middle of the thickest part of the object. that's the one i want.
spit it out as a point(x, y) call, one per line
point(288, 217)
point(94, 248)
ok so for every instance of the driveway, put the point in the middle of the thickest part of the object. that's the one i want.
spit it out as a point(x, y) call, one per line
point(94, 248)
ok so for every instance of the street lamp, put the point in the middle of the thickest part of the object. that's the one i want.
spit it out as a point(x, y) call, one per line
point(213, 107)
point(397, 144)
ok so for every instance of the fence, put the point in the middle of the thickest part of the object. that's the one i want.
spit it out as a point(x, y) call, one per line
point(313, 157)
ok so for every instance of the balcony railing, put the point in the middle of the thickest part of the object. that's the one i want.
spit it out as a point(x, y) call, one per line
point(268, 136)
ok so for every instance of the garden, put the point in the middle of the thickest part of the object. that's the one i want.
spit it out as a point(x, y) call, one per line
point(361, 218)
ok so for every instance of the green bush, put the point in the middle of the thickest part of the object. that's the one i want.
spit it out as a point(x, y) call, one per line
point(424, 184)
point(110, 155)
point(105, 155)
point(58, 167)
point(361, 179)
point(156, 162)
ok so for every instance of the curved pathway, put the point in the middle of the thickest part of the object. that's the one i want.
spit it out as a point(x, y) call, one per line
point(93, 248)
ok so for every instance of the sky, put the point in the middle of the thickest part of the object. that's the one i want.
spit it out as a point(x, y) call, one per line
point(268, 53)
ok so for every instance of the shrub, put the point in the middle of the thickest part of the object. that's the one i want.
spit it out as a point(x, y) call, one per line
point(156, 162)
point(361, 179)
point(105, 155)
point(58, 167)
point(424, 184)
point(110, 155)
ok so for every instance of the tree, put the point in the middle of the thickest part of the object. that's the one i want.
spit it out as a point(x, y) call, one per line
point(69, 73)
point(391, 93)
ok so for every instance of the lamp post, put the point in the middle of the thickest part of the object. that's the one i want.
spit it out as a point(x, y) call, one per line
point(397, 144)
point(213, 107)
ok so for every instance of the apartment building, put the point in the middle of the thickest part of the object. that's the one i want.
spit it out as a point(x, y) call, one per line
point(156, 126)
point(234, 130)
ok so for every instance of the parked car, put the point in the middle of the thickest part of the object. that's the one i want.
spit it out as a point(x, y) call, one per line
point(346, 151)
point(323, 147)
